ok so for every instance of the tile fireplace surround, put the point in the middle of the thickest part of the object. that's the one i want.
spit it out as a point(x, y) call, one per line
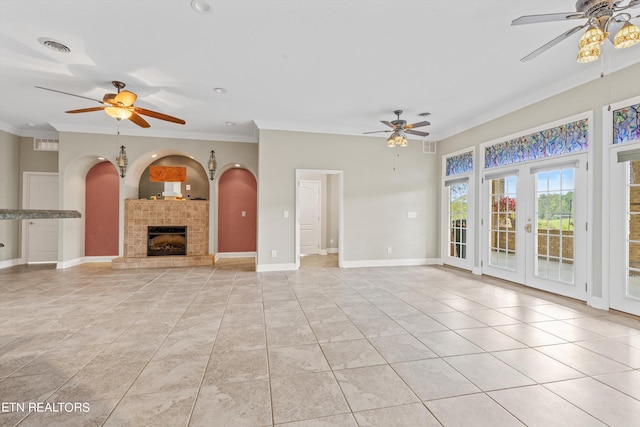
point(140, 214)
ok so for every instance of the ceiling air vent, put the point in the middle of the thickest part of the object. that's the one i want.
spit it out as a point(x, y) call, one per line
point(55, 45)
point(43, 144)
point(428, 147)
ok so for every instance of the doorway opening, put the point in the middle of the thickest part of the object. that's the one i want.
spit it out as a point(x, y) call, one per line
point(319, 217)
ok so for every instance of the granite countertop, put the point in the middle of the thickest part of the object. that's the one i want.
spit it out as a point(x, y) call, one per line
point(37, 214)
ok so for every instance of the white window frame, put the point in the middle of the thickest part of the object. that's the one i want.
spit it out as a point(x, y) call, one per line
point(610, 150)
point(471, 261)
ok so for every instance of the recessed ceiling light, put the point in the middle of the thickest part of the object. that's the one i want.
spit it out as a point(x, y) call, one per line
point(201, 6)
point(154, 156)
point(100, 158)
point(229, 123)
point(237, 165)
point(220, 90)
point(55, 45)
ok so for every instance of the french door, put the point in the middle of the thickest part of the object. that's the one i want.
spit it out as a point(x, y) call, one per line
point(535, 225)
point(458, 205)
point(624, 232)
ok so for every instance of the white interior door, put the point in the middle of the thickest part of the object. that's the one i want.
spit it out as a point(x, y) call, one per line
point(625, 235)
point(41, 192)
point(536, 225)
point(310, 205)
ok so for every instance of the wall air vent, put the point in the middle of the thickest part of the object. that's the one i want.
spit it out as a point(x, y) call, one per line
point(428, 147)
point(44, 144)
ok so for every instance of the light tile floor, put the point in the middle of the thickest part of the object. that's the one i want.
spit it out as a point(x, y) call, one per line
point(322, 346)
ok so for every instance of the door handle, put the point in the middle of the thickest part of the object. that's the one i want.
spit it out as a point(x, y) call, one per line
point(31, 222)
point(527, 228)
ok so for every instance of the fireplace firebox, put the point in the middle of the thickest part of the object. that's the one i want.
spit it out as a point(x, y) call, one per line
point(167, 240)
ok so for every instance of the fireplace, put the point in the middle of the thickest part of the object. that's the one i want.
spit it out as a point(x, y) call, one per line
point(166, 240)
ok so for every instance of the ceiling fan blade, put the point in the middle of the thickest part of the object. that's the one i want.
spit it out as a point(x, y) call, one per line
point(417, 125)
point(135, 118)
point(109, 98)
point(126, 98)
point(70, 94)
point(552, 43)
point(377, 131)
point(85, 110)
point(631, 5)
point(388, 123)
point(547, 17)
point(157, 115)
point(417, 132)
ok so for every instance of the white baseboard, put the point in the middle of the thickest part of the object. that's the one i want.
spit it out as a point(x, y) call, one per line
point(597, 302)
point(477, 271)
point(70, 263)
point(99, 258)
point(234, 255)
point(332, 250)
point(323, 252)
point(391, 262)
point(83, 260)
point(275, 267)
point(11, 262)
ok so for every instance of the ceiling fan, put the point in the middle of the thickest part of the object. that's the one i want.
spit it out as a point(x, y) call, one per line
point(604, 21)
point(120, 106)
point(399, 128)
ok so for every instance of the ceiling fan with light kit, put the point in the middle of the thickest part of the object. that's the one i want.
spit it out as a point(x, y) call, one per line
point(399, 129)
point(606, 19)
point(120, 106)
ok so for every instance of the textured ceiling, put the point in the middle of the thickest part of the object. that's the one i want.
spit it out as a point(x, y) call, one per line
point(308, 65)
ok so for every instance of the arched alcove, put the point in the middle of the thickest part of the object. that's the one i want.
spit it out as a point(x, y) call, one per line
point(101, 211)
point(237, 211)
point(196, 187)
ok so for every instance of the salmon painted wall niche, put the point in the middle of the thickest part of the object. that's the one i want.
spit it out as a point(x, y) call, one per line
point(237, 211)
point(101, 211)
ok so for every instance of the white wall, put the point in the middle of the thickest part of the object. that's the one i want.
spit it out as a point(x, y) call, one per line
point(591, 96)
point(80, 151)
point(9, 196)
point(381, 185)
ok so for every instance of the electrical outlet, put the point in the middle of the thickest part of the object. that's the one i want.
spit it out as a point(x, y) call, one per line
point(274, 253)
point(389, 250)
point(244, 213)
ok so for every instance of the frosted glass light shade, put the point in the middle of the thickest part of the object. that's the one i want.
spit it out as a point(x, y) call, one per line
point(628, 36)
point(588, 54)
point(594, 36)
point(118, 112)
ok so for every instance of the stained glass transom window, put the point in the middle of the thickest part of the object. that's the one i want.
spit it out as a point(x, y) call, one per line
point(626, 124)
point(460, 163)
point(564, 139)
